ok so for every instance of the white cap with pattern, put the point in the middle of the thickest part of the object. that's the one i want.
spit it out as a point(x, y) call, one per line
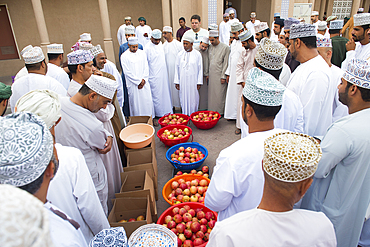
point(167, 29)
point(213, 33)
point(302, 30)
point(55, 49)
point(96, 50)
point(156, 34)
point(130, 29)
point(361, 19)
point(236, 26)
point(263, 89)
point(323, 42)
point(262, 26)
point(205, 40)
point(358, 73)
point(33, 55)
point(79, 57)
point(85, 37)
point(291, 157)
point(102, 86)
point(27, 48)
point(322, 26)
point(245, 35)
point(133, 41)
point(271, 55)
point(213, 27)
point(336, 24)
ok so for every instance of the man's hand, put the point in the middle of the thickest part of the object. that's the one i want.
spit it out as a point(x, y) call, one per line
point(223, 81)
point(227, 78)
point(108, 146)
point(177, 86)
point(141, 85)
point(241, 84)
point(198, 87)
point(145, 35)
point(351, 45)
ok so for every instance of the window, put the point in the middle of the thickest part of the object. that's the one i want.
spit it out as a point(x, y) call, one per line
point(8, 46)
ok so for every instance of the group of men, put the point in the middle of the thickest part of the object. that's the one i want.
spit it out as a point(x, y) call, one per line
point(301, 114)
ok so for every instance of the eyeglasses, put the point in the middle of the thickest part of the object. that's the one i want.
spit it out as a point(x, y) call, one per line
point(196, 36)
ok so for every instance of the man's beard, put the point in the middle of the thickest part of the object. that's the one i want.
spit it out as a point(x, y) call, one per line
point(343, 97)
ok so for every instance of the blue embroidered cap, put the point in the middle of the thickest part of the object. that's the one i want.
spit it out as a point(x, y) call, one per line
point(358, 73)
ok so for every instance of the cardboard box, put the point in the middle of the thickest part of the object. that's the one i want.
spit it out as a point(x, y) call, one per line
point(150, 146)
point(143, 156)
point(130, 207)
point(140, 119)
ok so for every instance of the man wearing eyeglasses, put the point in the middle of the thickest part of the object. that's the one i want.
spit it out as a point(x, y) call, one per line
point(196, 32)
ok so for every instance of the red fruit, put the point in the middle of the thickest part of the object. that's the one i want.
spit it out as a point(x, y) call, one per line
point(182, 237)
point(187, 225)
point(179, 242)
point(167, 219)
point(203, 221)
point(206, 236)
point(188, 243)
point(171, 224)
point(183, 186)
point(197, 210)
point(209, 216)
point(174, 230)
point(131, 220)
point(199, 234)
point(177, 218)
point(193, 237)
point(175, 210)
point(201, 190)
point(193, 190)
point(180, 228)
point(201, 199)
point(203, 228)
point(203, 183)
point(188, 233)
point(180, 197)
point(188, 184)
point(182, 211)
point(194, 182)
point(200, 215)
point(211, 224)
point(178, 152)
point(186, 217)
point(192, 212)
point(186, 159)
point(194, 219)
point(178, 191)
point(195, 226)
point(187, 207)
point(174, 185)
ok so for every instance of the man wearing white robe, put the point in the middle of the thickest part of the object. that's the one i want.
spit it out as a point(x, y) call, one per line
point(245, 63)
point(275, 35)
point(324, 48)
point(341, 187)
point(250, 24)
point(225, 29)
point(121, 31)
point(232, 17)
point(234, 90)
point(275, 222)
point(158, 76)
point(188, 76)
point(359, 45)
point(32, 169)
point(315, 19)
point(136, 70)
point(203, 91)
point(80, 128)
point(36, 78)
point(143, 32)
point(311, 80)
point(55, 56)
point(171, 48)
point(72, 189)
point(237, 179)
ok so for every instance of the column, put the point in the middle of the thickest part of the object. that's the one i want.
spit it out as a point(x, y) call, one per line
point(41, 24)
point(355, 6)
point(166, 13)
point(108, 42)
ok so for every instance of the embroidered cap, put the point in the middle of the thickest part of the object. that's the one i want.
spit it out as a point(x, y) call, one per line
point(291, 157)
point(322, 26)
point(263, 89)
point(236, 26)
point(360, 10)
point(361, 19)
point(55, 49)
point(96, 50)
point(213, 27)
point(213, 33)
point(302, 30)
point(323, 42)
point(112, 237)
point(315, 13)
point(187, 37)
point(262, 26)
point(26, 148)
point(81, 46)
point(79, 57)
point(156, 34)
point(245, 35)
point(331, 18)
point(102, 86)
point(133, 41)
point(130, 29)
point(167, 29)
point(27, 48)
point(205, 40)
point(33, 55)
point(337, 24)
point(358, 73)
point(271, 55)
point(289, 22)
point(85, 37)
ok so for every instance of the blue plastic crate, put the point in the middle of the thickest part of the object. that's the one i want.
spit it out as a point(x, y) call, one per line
point(187, 166)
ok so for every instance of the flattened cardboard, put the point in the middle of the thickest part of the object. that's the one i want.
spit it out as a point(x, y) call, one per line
point(130, 207)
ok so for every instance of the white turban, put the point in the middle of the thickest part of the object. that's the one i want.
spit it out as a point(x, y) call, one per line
point(23, 219)
point(42, 102)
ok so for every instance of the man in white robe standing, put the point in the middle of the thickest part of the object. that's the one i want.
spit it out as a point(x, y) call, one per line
point(311, 80)
point(234, 90)
point(55, 56)
point(158, 76)
point(359, 45)
point(277, 29)
point(72, 189)
point(288, 173)
point(80, 128)
point(275, 36)
point(143, 32)
point(237, 179)
point(341, 187)
point(324, 48)
point(188, 76)
point(245, 63)
point(225, 29)
point(36, 78)
point(136, 70)
point(218, 62)
point(203, 91)
point(121, 34)
point(250, 24)
point(232, 17)
point(315, 19)
point(171, 48)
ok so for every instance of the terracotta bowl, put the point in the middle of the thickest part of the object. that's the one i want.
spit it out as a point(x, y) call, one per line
point(137, 135)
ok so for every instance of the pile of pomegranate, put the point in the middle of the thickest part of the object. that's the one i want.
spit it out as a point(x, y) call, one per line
point(141, 217)
point(187, 155)
point(175, 134)
point(185, 191)
point(173, 119)
point(205, 117)
point(203, 172)
point(192, 226)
